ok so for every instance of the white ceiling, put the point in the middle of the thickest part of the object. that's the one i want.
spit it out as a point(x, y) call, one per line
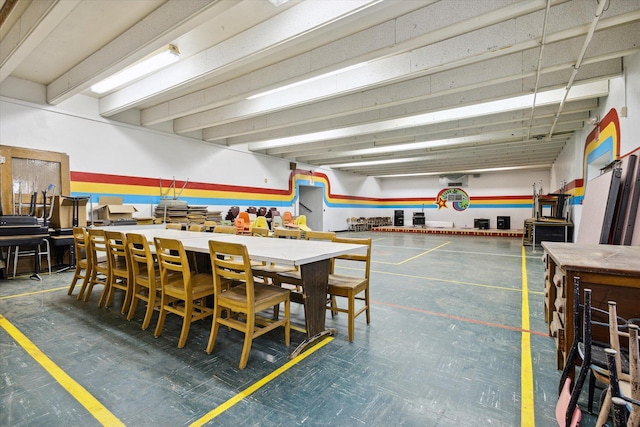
point(438, 86)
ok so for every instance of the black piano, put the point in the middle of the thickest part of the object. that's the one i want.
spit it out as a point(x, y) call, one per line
point(22, 230)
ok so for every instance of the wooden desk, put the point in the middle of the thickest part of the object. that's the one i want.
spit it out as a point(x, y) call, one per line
point(311, 256)
point(611, 272)
point(538, 231)
point(25, 240)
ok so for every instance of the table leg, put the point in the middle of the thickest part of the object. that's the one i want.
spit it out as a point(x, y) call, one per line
point(315, 278)
point(36, 262)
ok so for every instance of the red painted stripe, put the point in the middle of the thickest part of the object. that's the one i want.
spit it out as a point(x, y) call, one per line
point(463, 319)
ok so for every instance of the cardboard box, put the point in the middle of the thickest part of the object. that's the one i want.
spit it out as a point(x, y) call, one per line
point(62, 215)
point(112, 209)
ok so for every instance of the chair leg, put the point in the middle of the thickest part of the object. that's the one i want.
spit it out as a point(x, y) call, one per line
point(133, 305)
point(104, 297)
point(85, 282)
point(186, 324)
point(592, 390)
point(15, 260)
point(352, 319)
point(287, 325)
point(151, 303)
point(161, 318)
point(575, 393)
point(90, 285)
point(248, 338)
point(217, 313)
point(366, 301)
point(605, 408)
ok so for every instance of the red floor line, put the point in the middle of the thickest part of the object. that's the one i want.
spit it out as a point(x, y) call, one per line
point(464, 319)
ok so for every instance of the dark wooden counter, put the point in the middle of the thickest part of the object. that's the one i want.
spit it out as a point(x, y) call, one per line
point(612, 273)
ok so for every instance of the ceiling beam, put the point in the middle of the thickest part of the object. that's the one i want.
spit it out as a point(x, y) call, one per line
point(34, 25)
point(159, 28)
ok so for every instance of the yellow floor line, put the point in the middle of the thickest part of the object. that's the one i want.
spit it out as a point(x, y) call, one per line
point(413, 257)
point(256, 386)
point(527, 414)
point(26, 294)
point(91, 404)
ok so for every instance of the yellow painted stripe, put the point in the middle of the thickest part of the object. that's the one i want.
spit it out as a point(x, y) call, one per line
point(424, 253)
point(527, 415)
point(91, 404)
point(26, 294)
point(256, 386)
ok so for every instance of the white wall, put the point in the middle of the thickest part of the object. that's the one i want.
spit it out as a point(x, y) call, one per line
point(98, 145)
point(623, 91)
point(492, 186)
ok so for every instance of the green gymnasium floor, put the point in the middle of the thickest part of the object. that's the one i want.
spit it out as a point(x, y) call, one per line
point(453, 341)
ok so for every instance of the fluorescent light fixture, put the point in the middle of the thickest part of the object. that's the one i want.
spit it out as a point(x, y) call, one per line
point(311, 79)
point(277, 3)
point(550, 97)
point(142, 68)
point(511, 168)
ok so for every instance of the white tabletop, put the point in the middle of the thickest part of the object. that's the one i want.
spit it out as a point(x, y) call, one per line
point(281, 251)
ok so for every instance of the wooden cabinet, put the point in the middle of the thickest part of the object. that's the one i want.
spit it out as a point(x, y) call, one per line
point(611, 272)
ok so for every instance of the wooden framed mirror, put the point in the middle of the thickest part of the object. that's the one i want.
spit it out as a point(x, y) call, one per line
point(25, 172)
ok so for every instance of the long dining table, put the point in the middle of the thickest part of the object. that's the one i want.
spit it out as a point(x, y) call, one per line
point(313, 258)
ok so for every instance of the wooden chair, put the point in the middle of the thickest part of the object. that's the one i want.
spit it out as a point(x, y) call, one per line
point(624, 384)
point(183, 292)
point(594, 358)
point(260, 232)
point(269, 271)
point(145, 277)
point(562, 407)
point(209, 225)
point(120, 276)
point(354, 288)
point(83, 260)
point(616, 399)
point(196, 227)
point(173, 226)
point(225, 229)
point(287, 233)
point(289, 277)
point(100, 269)
point(248, 298)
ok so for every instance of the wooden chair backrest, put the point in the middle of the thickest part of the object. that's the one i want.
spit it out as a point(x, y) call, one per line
point(357, 256)
point(172, 260)
point(616, 332)
point(118, 251)
point(230, 263)
point(98, 247)
point(320, 235)
point(81, 243)
point(196, 227)
point(260, 231)
point(173, 226)
point(142, 265)
point(226, 229)
point(287, 233)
